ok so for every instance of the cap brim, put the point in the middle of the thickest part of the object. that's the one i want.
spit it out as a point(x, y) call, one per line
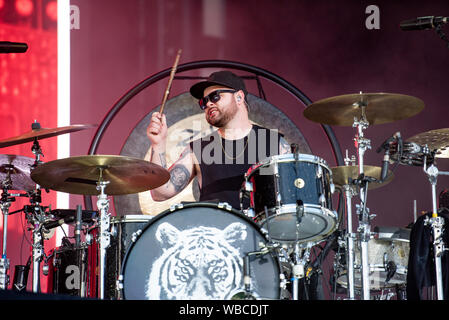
point(197, 90)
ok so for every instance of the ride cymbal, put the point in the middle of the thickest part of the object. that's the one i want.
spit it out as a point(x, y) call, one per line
point(17, 168)
point(343, 175)
point(79, 175)
point(42, 133)
point(378, 108)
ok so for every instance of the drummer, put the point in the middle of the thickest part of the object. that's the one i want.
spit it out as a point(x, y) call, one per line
point(220, 159)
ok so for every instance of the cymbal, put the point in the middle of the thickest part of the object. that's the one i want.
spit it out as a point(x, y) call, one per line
point(18, 168)
point(380, 108)
point(79, 175)
point(341, 175)
point(43, 133)
point(437, 139)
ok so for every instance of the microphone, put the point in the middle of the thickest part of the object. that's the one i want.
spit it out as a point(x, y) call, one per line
point(386, 143)
point(78, 227)
point(385, 162)
point(391, 270)
point(423, 23)
point(56, 223)
point(12, 47)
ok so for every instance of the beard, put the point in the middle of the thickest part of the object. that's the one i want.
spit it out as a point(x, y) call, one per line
point(222, 117)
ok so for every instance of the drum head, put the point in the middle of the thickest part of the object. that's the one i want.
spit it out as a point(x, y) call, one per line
point(196, 252)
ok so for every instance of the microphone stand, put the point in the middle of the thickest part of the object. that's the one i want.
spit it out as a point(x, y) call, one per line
point(436, 222)
point(441, 34)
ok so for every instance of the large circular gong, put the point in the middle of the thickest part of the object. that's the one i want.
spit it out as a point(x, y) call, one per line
point(186, 122)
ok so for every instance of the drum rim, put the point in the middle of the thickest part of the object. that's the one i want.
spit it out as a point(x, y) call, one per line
point(132, 218)
point(289, 156)
point(316, 239)
point(221, 205)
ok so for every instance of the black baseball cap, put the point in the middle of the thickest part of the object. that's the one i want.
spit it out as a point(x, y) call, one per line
point(220, 78)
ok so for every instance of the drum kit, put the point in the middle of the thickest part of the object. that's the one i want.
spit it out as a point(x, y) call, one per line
point(207, 250)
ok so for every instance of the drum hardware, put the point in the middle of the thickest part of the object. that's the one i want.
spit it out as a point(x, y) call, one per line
point(436, 223)
point(360, 111)
point(300, 259)
point(100, 175)
point(288, 187)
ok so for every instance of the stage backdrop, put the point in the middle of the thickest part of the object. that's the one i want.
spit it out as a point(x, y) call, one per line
point(28, 93)
point(324, 48)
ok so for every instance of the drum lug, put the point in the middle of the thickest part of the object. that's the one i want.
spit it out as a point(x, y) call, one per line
point(119, 283)
point(322, 200)
point(114, 231)
point(332, 187)
point(249, 213)
point(225, 205)
point(176, 207)
point(319, 172)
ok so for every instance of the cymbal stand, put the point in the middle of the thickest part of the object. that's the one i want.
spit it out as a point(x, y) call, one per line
point(349, 192)
point(364, 231)
point(437, 223)
point(5, 204)
point(104, 234)
point(36, 219)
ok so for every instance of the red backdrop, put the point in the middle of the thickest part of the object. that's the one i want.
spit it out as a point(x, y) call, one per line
point(28, 92)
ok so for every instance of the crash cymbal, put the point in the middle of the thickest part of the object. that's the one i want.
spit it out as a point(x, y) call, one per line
point(18, 170)
point(437, 139)
point(379, 108)
point(79, 175)
point(42, 133)
point(341, 175)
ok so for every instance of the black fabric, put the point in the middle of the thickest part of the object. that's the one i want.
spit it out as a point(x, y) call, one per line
point(222, 177)
point(421, 263)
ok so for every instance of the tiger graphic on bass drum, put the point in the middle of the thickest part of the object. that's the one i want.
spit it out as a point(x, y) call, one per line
point(197, 263)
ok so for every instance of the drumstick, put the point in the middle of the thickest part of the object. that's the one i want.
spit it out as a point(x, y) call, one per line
point(167, 91)
point(172, 75)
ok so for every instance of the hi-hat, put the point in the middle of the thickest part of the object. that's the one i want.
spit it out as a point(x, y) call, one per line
point(437, 140)
point(378, 108)
point(17, 168)
point(42, 133)
point(79, 175)
point(343, 175)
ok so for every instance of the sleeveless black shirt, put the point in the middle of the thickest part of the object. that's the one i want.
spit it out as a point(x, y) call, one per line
point(223, 163)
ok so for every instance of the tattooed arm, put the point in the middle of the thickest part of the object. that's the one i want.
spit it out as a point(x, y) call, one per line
point(181, 173)
point(284, 147)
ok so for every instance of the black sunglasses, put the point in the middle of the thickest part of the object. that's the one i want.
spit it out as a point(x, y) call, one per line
point(212, 97)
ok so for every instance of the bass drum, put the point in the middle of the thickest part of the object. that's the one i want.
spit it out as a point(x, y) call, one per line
point(196, 251)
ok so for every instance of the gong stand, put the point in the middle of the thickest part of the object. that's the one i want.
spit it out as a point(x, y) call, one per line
point(364, 231)
point(436, 222)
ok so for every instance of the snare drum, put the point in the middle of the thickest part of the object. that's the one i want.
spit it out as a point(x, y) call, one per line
point(196, 251)
point(291, 196)
point(388, 259)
